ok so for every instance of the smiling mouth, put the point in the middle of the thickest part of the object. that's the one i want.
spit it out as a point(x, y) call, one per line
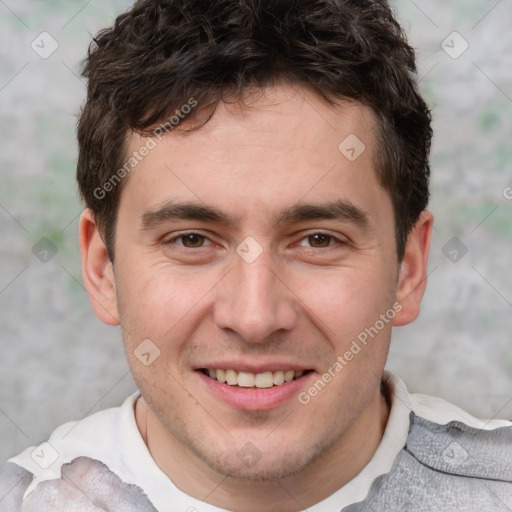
point(253, 380)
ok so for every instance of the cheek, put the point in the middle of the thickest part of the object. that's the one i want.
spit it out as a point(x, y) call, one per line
point(161, 302)
point(347, 300)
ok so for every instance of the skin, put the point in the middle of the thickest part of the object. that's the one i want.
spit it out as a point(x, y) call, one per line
point(303, 300)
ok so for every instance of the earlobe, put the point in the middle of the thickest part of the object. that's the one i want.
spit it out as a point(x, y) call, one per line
point(412, 278)
point(97, 270)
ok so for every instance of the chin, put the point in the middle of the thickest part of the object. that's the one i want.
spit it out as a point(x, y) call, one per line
point(264, 470)
point(257, 463)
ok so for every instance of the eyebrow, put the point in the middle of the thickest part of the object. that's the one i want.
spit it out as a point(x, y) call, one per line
point(335, 210)
point(171, 210)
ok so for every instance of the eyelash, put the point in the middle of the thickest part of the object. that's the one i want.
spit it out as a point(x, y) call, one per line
point(332, 239)
point(183, 235)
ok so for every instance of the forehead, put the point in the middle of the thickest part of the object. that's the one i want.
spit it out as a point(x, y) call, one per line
point(277, 146)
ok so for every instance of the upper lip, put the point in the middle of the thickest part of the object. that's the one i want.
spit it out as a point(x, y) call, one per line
point(252, 367)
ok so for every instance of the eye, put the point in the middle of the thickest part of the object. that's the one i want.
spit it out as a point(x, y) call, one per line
point(319, 240)
point(190, 240)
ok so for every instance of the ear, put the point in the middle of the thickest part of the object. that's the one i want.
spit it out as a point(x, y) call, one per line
point(412, 276)
point(97, 270)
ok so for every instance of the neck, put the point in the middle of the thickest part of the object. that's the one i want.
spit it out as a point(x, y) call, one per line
point(337, 466)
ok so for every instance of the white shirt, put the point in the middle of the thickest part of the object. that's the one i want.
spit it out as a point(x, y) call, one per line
point(112, 437)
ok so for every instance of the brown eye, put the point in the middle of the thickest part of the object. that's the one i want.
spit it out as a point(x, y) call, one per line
point(192, 240)
point(319, 240)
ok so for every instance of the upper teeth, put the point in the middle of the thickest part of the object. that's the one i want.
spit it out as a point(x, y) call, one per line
point(259, 380)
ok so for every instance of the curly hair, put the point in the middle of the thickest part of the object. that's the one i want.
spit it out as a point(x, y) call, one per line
point(162, 53)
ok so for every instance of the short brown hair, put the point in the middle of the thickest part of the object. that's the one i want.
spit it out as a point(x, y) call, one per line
point(162, 53)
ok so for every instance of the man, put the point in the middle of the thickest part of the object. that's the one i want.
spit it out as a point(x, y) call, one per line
point(256, 183)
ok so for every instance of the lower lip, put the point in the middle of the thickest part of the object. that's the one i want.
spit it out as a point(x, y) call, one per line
point(255, 399)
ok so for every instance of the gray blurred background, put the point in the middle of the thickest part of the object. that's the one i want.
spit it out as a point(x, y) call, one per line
point(58, 362)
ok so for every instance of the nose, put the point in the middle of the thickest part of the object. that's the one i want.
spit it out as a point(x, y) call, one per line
point(254, 302)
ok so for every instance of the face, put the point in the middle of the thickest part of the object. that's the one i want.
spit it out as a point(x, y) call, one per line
point(254, 249)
